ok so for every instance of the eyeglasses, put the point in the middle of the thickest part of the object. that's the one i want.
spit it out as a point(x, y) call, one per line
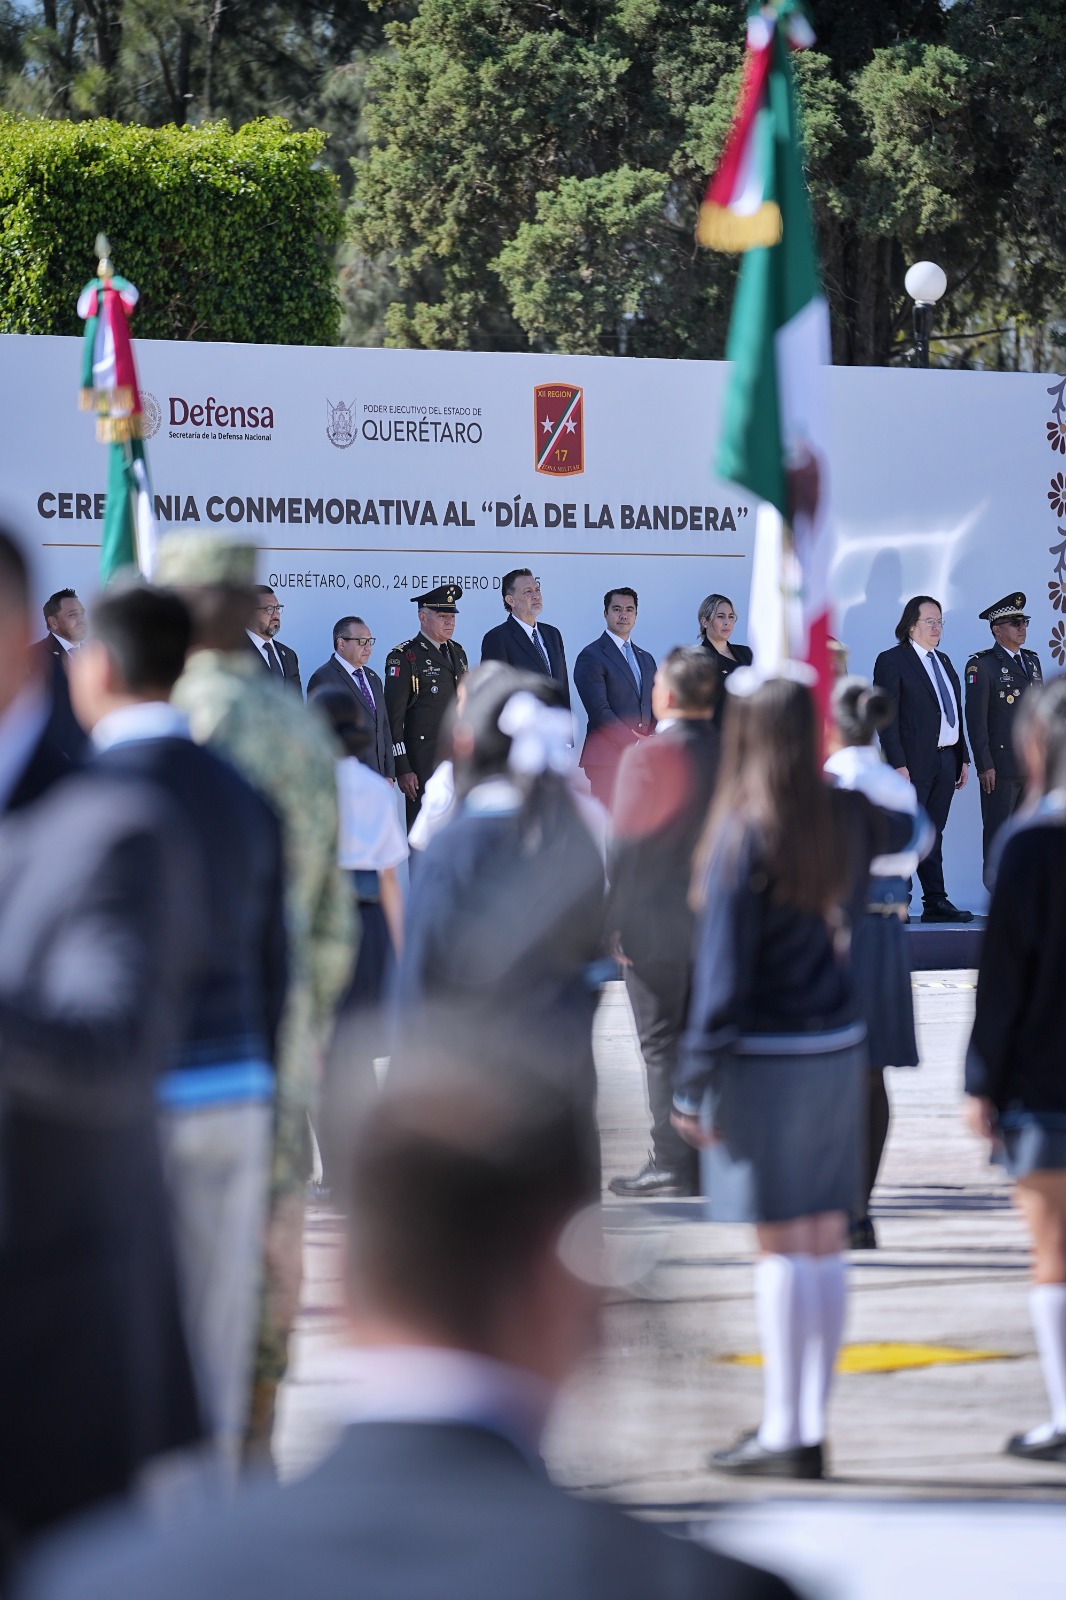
point(278, 609)
point(930, 622)
point(350, 638)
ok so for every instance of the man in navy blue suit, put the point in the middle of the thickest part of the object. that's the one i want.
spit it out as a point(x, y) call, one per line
point(523, 641)
point(614, 678)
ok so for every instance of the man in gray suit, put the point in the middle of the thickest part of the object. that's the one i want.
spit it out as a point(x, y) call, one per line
point(348, 669)
point(470, 1263)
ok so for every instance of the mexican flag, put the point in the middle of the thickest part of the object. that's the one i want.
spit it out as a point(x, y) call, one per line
point(109, 387)
point(773, 438)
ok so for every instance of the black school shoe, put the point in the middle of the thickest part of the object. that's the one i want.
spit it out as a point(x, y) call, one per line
point(1051, 1449)
point(749, 1459)
point(861, 1234)
point(653, 1180)
point(944, 911)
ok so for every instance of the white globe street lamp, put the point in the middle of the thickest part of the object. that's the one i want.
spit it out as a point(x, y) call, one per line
point(925, 283)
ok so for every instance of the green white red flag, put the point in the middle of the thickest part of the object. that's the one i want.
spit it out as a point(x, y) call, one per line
point(773, 439)
point(109, 387)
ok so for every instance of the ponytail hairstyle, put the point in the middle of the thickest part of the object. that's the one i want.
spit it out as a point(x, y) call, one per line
point(770, 782)
point(860, 710)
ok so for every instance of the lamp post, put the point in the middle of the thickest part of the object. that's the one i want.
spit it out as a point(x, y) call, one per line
point(925, 283)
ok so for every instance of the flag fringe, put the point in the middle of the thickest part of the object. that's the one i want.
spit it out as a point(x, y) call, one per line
point(117, 430)
point(720, 228)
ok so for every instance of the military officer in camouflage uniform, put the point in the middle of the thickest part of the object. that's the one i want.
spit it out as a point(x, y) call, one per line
point(286, 751)
point(996, 681)
point(421, 677)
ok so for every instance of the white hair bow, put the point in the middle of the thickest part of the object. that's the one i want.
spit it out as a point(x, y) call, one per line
point(540, 735)
point(746, 680)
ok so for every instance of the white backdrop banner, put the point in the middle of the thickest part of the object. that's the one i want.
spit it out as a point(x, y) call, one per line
point(368, 476)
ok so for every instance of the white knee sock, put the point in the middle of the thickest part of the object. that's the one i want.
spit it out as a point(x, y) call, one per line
point(781, 1297)
point(1047, 1307)
point(825, 1328)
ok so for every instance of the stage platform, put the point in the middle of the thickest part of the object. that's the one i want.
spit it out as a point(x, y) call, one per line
point(943, 946)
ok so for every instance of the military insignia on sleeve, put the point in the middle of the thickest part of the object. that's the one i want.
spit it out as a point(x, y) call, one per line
point(971, 677)
point(394, 671)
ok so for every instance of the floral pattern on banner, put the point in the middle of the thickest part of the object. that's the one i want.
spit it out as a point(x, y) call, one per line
point(1056, 438)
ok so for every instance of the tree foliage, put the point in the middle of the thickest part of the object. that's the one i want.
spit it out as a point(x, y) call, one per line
point(228, 236)
point(535, 171)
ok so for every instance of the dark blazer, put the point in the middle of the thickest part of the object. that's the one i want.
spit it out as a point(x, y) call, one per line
point(290, 661)
point(46, 765)
point(511, 643)
point(401, 1510)
point(333, 675)
point(1015, 1052)
point(744, 658)
point(101, 918)
point(66, 733)
point(236, 1000)
point(613, 706)
point(661, 795)
point(912, 737)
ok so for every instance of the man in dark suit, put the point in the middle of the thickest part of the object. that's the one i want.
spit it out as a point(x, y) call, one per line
point(216, 1099)
point(101, 925)
point(997, 681)
point(32, 757)
point(925, 741)
point(469, 1287)
point(613, 676)
point(65, 620)
point(347, 669)
point(661, 796)
point(523, 641)
point(275, 656)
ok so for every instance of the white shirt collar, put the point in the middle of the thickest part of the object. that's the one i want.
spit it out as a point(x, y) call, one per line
point(149, 719)
point(258, 640)
point(418, 1383)
point(621, 643)
point(67, 646)
point(922, 651)
point(21, 727)
point(528, 626)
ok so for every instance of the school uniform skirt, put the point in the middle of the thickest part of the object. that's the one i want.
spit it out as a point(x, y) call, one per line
point(789, 1118)
point(882, 973)
point(1033, 1141)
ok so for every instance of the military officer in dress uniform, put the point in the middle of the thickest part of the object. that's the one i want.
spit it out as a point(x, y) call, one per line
point(421, 677)
point(996, 680)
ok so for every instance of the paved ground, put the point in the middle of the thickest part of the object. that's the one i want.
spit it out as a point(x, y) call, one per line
point(951, 1273)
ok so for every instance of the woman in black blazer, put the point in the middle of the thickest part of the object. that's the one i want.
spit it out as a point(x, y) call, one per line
point(717, 618)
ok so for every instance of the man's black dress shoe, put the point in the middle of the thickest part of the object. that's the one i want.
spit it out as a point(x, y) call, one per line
point(652, 1180)
point(1053, 1448)
point(749, 1459)
point(944, 911)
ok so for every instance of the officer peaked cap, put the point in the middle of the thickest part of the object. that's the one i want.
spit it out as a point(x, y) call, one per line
point(442, 599)
point(1012, 605)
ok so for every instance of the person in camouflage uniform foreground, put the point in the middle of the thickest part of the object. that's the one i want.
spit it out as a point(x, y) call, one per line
point(287, 753)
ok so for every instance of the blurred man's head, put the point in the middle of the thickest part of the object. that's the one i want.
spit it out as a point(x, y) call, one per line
point(465, 1184)
point(686, 685)
point(16, 665)
point(64, 615)
point(138, 638)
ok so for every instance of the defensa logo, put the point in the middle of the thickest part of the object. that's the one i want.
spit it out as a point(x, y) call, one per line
point(218, 419)
point(152, 414)
point(341, 427)
point(559, 429)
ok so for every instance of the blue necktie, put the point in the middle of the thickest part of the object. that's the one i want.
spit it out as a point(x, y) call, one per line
point(539, 642)
point(627, 651)
point(946, 699)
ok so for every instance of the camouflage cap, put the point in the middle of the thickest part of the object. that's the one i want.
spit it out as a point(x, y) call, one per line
point(195, 559)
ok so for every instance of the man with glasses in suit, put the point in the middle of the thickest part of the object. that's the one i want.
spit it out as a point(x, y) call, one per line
point(276, 657)
point(347, 669)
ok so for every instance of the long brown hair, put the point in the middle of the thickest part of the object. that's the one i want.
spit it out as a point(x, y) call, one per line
point(771, 781)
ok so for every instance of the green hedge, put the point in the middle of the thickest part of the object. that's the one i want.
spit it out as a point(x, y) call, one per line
point(227, 235)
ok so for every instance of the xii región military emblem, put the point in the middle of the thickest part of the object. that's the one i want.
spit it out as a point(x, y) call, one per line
point(558, 409)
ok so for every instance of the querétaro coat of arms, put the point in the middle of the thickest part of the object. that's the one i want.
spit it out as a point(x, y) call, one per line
point(342, 428)
point(558, 409)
